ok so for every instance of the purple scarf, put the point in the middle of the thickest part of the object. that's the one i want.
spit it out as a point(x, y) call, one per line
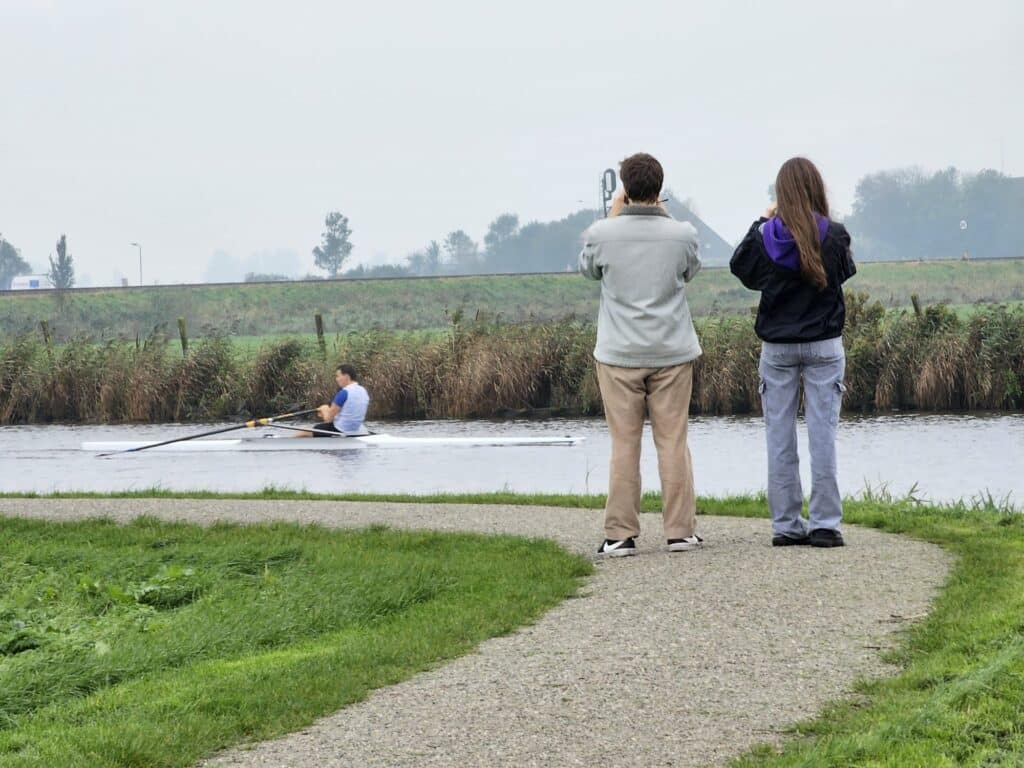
point(781, 246)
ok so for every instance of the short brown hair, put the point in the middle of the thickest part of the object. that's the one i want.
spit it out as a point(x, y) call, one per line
point(348, 370)
point(642, 176)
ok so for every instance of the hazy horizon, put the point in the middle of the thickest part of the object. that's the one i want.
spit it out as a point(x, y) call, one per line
point(234, 129)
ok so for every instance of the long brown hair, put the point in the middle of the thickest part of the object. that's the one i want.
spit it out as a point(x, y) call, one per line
point(800, 193)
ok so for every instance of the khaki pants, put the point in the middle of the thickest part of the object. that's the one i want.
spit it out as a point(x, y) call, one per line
point(664, 393)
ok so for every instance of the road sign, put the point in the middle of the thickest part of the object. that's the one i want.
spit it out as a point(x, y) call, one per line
point(607, 188)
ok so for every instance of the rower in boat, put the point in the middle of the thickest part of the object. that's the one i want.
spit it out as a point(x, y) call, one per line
point(342, 417)
point(346, 413)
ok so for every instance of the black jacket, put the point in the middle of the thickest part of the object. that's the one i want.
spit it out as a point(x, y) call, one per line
point(792, 310)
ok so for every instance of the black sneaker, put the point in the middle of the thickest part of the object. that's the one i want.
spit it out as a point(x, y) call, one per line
point(826, 537)
point(781, 540)
point(684, 545)
point(614, 548)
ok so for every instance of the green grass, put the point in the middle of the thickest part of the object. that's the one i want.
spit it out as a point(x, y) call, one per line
point(960, 695)
point(154, 644)
point(269, 309)
point(967, 311)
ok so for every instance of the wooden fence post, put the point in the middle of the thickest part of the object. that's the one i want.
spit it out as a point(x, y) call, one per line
point(183, 335)
point(45, 326)
point(319, 319)
point(917, 304)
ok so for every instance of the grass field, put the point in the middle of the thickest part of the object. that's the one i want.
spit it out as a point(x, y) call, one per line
point(262, 309)
point(956, 702)
point(154, 644)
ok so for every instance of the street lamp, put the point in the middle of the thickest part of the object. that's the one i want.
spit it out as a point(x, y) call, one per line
point(140, 261)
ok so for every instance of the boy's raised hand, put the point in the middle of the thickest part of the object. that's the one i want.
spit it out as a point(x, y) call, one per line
point(618, 203)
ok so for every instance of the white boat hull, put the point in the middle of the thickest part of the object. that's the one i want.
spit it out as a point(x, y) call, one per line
point(328, 443)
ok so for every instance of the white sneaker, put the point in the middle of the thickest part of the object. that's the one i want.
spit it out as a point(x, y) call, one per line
point(684, 545)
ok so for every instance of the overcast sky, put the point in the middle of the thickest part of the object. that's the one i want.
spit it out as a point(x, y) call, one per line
point(234, 126)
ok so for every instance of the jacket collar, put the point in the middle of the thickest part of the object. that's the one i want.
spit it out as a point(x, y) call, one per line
point(644, 210)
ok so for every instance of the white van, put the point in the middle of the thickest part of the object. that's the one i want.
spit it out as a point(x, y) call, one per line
point(31, 283)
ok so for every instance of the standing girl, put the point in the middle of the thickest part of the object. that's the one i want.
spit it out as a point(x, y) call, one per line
point(799, 259)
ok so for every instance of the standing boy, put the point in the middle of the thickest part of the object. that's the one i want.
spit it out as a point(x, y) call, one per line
point(646, 345)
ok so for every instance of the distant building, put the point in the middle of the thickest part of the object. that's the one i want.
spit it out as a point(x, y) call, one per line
point(715, 251)
point(31, 283)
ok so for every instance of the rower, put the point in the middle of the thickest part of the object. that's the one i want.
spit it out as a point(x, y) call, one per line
point(346, 413)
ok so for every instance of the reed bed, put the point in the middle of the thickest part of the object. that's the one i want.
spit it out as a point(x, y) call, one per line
point(930, 360)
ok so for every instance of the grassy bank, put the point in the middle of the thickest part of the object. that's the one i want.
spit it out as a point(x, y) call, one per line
point(261, 309)
point(935, 360)
point(958, 698)
point(154, 644)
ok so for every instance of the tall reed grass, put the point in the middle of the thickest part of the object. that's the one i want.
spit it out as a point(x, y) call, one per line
point(933, 360)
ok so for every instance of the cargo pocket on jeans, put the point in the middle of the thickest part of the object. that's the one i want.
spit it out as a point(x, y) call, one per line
point(837, 402)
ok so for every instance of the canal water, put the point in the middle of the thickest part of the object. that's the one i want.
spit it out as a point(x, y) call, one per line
point(939, 457)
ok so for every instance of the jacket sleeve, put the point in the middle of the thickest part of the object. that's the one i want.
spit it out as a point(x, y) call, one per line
point(748, 262)
point(693, 263)
point(589, 265)
point(847, 267)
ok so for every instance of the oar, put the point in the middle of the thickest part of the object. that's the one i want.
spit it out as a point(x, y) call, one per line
point(264, 422)
point(314, 430)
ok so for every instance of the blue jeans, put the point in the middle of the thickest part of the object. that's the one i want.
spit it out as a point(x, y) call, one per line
point(822, 365)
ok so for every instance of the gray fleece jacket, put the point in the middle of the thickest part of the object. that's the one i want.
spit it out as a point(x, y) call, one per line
point(643, 258)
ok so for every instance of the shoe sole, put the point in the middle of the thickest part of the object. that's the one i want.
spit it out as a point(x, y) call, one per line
point(684, 547)
point(618, 553)
point(826, 539)
point(792, 543)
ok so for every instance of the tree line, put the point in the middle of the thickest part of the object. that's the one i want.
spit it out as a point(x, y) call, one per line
point(904, 214)
point(909, 214)
point(508, 246)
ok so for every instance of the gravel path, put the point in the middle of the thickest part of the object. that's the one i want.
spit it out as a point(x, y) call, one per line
point(670, 660)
